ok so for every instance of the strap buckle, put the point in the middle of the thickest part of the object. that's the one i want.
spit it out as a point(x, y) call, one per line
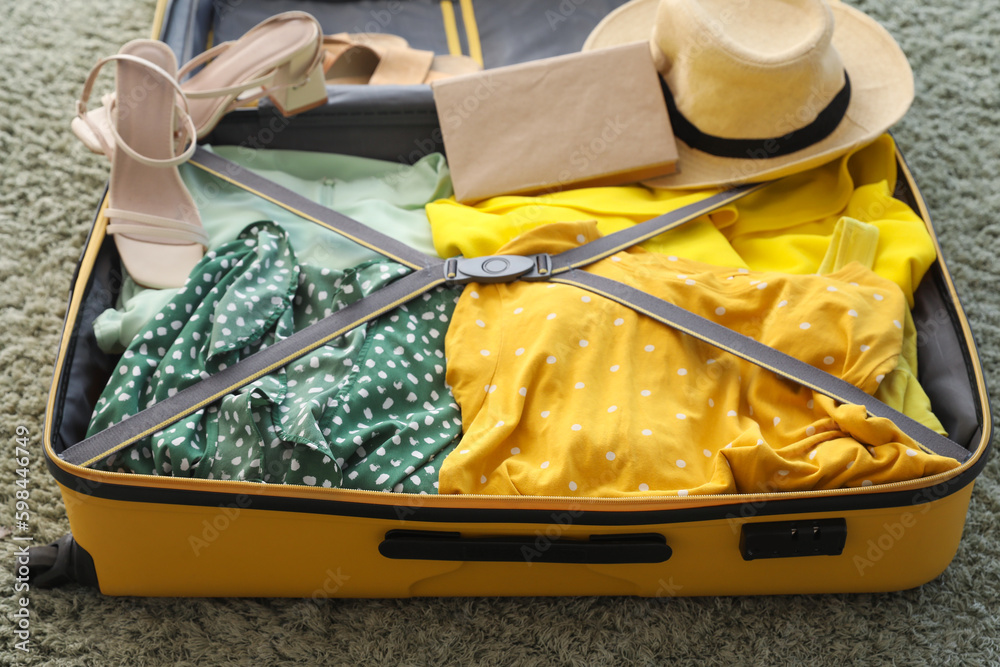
point(497, 269)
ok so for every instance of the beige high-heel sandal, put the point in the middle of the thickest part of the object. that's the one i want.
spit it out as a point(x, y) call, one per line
point(154, 221)
point(380, 59)
point(280, 58)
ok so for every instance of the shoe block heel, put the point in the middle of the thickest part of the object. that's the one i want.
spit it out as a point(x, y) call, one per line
point(309, 94)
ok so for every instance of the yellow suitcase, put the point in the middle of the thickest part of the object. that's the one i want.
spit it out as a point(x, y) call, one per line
point(166, 536)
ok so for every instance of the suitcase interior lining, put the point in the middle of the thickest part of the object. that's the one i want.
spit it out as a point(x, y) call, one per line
point(511, 32)
point(418, 21)
point(514, 31)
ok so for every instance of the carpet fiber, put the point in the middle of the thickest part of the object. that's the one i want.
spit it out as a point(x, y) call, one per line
point(50, 185)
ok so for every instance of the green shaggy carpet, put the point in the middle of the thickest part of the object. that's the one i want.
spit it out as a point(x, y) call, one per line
point(48, 191)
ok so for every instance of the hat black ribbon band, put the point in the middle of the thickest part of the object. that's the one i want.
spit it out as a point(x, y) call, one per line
point(760, 149)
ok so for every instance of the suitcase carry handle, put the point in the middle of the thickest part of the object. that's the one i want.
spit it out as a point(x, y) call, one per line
point(538, 548)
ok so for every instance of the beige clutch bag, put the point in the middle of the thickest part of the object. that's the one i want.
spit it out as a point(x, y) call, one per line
point(583, 119)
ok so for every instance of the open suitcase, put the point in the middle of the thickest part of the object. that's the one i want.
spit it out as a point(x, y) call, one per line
point(167, 536)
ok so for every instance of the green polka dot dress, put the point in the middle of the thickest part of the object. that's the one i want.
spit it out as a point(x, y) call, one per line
point(368, 410)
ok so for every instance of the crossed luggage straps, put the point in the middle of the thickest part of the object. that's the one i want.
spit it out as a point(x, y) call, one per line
point(430, 272)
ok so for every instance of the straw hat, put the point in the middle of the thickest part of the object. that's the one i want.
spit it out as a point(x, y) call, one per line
point(759, 89)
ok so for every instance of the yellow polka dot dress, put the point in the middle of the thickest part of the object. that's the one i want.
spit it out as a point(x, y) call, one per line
point(564, 392)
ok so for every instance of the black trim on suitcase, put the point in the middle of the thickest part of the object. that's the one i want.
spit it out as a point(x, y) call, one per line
point(411, 509)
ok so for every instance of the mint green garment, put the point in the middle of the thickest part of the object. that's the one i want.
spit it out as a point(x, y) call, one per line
point(387, 196)
point(116, 327)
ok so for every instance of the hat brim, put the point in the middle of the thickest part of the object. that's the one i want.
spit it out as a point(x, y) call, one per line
point(881, 92)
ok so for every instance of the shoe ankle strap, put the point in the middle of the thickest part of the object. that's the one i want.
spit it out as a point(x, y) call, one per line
point(81, 111)
point(206, 56)
point(217, 50)
point(154, 225)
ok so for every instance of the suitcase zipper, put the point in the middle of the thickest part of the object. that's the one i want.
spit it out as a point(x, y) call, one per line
point(688, 501)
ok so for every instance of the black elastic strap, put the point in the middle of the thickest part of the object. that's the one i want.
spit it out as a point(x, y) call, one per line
point(762, 355)
point(193, 398)
point(759, 149)
point(310, 210)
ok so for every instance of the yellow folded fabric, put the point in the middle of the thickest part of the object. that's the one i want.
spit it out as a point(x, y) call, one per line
point(787, 226)
point(852, 241)
point(814, 222)
point(856, 241)
point(474, 231)
point(565, 392)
